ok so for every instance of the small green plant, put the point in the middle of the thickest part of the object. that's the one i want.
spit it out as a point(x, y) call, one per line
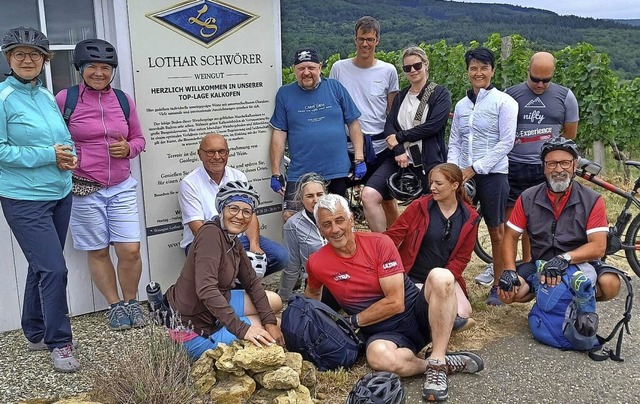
point(157, 372)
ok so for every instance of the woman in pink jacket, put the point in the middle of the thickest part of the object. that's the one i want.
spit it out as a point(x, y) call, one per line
point(106, 130)
point(439, 231)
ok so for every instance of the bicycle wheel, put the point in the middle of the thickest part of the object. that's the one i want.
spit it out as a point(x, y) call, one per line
point(482, 248)
point(483, 241)
point(633, 239)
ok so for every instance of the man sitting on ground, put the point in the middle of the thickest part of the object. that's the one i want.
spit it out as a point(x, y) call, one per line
point(364, 272)
point(197, 197)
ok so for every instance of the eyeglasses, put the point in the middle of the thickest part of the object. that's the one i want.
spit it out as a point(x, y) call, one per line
point(20, 56)
point(361, 40)
point(212, 153)
point(565, 164)
point(447, 231)
point(416, 67)
point(537, 80)
point(234, 210)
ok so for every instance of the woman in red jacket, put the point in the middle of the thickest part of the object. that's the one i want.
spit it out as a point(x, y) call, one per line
point(439, 231)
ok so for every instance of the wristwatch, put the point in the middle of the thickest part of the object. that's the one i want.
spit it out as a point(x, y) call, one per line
point(566, 257)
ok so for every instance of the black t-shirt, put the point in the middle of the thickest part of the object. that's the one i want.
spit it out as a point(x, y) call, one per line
point(438, 242)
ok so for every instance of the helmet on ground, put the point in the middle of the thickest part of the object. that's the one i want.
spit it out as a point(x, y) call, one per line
point(241, 190)
point(404, 185)
point(25, 36)
point(470, 188)
point(258, 262)
point(377, 388)
point(94, 51)
point(559, 143)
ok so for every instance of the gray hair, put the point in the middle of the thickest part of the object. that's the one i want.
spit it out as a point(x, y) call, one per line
point(306, 179)
point(331, 202)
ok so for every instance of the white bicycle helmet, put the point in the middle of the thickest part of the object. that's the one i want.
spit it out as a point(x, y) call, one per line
point(258, 262)
point(237, 188)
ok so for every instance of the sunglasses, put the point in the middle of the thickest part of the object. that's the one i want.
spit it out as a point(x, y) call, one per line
point(447, 231)
point(416, 67)
point(537, 80)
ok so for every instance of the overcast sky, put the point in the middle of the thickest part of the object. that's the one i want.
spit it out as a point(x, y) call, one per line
point(616, 9)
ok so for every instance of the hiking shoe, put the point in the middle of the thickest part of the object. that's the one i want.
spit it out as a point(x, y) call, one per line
point(63, 360)
point(41, 346)
point(463, 362)
point(585, 293)
point(461, 323)
point(136, 315)
point(119, 317)
point(435, 381)
point(492, 298)
point(486, 277)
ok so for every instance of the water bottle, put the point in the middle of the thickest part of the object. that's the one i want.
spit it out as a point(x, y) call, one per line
point(154, 296)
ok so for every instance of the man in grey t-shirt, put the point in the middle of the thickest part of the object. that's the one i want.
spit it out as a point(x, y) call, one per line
point(545, 110)
point(372, 84)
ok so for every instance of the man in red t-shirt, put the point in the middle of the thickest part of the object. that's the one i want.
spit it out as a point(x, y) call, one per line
point(567, 224)
point(364, 273)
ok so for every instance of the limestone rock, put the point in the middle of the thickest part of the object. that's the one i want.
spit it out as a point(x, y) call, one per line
point(283, 378)
point(233, 390)
point(259, 359)
point(204, 383)
point(225, 361)
point(294, 361)
point(308, 377)
point(299, 395)
point(266, 396)
point(204, 365)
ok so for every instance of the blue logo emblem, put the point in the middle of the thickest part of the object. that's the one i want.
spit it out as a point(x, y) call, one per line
point(205, 22)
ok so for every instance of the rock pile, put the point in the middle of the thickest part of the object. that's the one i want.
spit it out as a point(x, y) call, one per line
point(241, 372)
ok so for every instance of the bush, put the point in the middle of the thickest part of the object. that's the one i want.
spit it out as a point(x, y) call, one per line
point(157, 372)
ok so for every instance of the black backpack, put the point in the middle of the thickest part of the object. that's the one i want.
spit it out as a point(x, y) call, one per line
point(72, 100)
point(319, 334)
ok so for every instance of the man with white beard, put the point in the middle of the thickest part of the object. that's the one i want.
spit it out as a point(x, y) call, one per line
point(567, 224)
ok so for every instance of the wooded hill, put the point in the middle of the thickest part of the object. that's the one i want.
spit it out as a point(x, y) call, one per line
point(327, 25)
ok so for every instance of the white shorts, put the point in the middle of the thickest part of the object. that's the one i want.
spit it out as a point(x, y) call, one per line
point(109, 215)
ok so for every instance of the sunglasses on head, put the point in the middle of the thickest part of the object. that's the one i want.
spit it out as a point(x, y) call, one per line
point(537, 80)
point(416, 67)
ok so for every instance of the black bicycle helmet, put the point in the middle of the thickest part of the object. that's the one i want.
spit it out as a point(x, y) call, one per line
point(377, 388)
point(404, 185)
point(559, 143)
point(25, 36)
point(94, 51)
point(236, 188)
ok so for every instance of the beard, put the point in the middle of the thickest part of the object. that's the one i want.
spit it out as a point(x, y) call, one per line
point(559, 182)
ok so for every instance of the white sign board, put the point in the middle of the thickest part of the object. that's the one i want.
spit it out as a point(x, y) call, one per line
point(202, 67)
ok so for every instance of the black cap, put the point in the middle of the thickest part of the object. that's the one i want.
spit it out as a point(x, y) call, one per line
point(306, 55)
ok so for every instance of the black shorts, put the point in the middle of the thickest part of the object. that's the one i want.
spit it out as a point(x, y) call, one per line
point(413, 332)
point(291, 203)
point(371, 168)
point(492, 191)
point(378, 180)
point(521, 177)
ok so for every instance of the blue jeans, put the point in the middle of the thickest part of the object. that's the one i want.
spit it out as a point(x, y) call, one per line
point(277, 255)
point(40, 227)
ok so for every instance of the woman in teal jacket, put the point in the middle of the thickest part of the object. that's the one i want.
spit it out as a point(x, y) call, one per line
point(36, 156)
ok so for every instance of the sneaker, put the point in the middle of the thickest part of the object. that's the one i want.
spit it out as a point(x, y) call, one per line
point(463, 362)
point(119, 317)
point(486, 277)
point(63, 360)
point(41, 346)
point(435, 381)
point(585, 293)
point(462, 324)
point(136, 315)
point(492, 298)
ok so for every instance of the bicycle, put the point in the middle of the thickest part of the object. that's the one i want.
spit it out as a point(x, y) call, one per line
point(624, 235)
